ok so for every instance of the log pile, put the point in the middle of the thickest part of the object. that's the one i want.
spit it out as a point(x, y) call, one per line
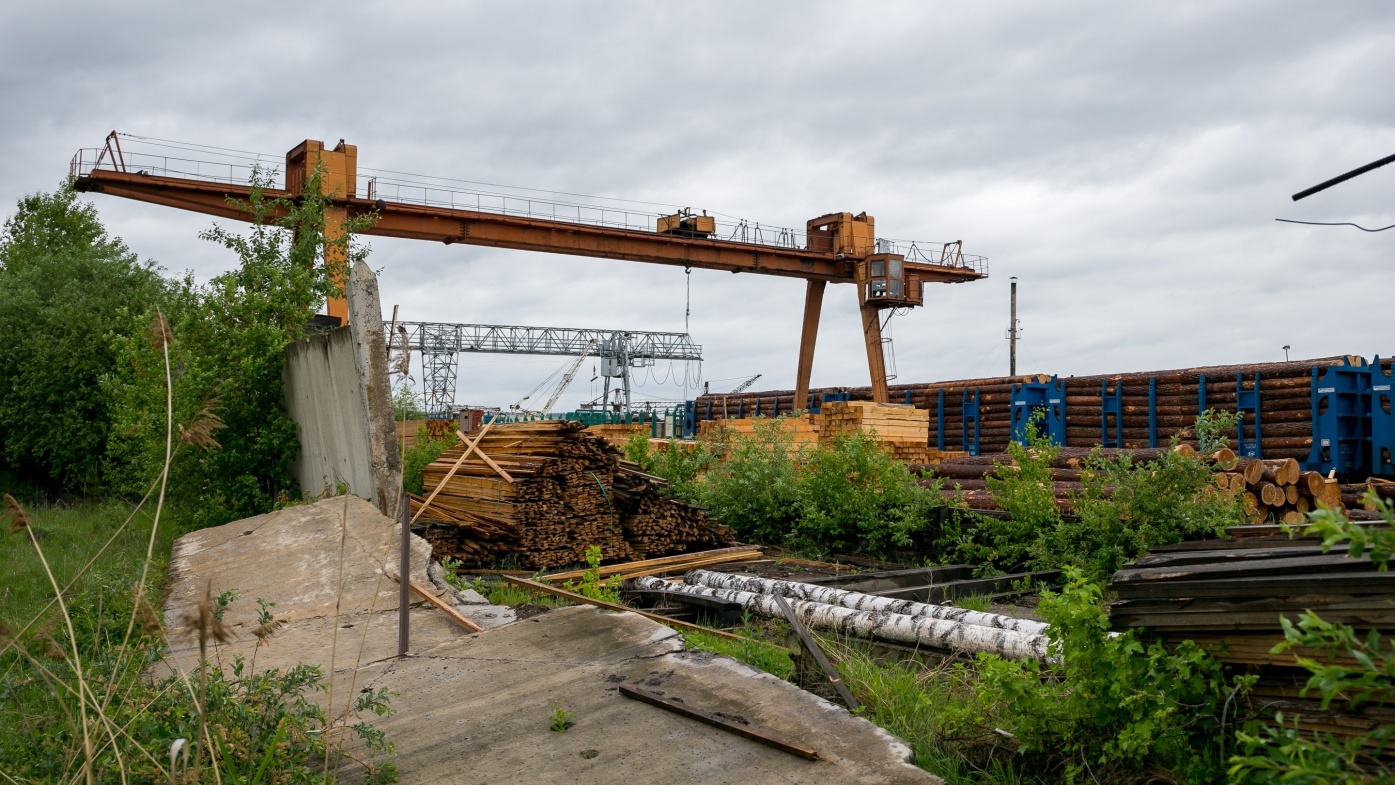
point(1228, 596)
point(566, 489)
point(1285, 404)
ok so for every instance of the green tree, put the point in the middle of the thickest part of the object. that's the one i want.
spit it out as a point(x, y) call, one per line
point(69, 295)
point(228, 350)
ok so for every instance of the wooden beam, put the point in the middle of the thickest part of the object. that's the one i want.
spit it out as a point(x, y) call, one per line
point(490, 461)
point(469, 447)
point(455, 615)
point(610, 606)
point(751, 732)
point(740, 552)
point(812, 646)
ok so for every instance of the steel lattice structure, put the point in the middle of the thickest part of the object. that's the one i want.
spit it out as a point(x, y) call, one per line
point(440, 344)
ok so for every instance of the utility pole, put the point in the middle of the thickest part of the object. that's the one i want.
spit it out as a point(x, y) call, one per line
point(1012, 332)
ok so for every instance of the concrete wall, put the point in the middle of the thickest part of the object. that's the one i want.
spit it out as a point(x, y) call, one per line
point(322, 396)
point(338, 391)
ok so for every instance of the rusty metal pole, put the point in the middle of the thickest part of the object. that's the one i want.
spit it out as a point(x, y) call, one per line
point(876, 360)
point(808, 336)
point(1012, 332)
point(404, 585)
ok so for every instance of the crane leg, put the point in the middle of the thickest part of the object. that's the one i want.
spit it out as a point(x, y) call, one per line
point(876, 362)
point(813, 305)
point(336, 259)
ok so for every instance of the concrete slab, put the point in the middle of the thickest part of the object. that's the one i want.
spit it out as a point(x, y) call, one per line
point(477, 708)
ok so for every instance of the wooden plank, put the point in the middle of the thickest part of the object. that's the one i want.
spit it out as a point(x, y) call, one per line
point(455, 615)
point(1264, 586)
point(812, 646)
point(610, 606)
point(469, 446)
point(751, 732)
point(487, 459)
point(615, 569)
point(1222, 556)
point(1302, 564)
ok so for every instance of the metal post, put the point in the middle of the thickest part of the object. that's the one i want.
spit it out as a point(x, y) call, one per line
point(404, 585)
point(1012, 332)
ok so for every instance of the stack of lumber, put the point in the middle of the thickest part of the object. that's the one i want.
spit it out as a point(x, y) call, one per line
point(436, 429)
point(618, 433)
point(565, 490)
point(1228, 595)
point(901, 428)
point(803, 429)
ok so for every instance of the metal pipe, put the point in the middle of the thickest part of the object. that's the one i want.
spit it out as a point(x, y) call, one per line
point(1012, 332)
point(404, 586)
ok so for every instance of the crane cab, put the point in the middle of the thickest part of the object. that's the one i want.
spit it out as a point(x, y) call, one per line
point(685, 224)
point(883, 277)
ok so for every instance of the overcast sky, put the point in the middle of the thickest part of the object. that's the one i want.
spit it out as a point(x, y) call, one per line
point(1126, 161)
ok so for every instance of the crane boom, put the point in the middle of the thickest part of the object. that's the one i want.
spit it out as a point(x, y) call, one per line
point(835, 248)
point(567, 378)
point(744, 386)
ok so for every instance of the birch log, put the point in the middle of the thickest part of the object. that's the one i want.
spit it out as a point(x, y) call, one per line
point(862, 602)
point(898, 627)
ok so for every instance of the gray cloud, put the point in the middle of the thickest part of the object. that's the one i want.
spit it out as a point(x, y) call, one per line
point(1124, 160)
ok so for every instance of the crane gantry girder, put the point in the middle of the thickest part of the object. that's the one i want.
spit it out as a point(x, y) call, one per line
point(841, 247)
point(469, 227)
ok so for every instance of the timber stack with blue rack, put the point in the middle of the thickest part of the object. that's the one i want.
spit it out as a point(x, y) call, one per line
point(1328, 413)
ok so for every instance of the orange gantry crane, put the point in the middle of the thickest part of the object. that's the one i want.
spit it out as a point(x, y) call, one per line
point(836, 248)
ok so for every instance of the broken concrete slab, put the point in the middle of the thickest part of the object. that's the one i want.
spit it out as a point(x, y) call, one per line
point(477, 707)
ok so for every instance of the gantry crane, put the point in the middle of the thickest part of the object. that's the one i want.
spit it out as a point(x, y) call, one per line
point(836, 248)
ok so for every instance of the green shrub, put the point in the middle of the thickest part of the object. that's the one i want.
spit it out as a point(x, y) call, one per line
point(854, 495)
point(68, 292)
point(681, 464)
point(755, 489)
point(1281, 753)
point(1112, 706)
point(419, 456)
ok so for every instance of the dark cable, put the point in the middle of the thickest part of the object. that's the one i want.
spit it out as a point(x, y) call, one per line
point(1342, 178)
point(1322, 223)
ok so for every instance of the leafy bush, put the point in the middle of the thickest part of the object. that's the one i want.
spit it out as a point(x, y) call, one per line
point(1125, 510)
point(1122, 510)
point(68, 293)
point(1110, 706)
point(754, 488)
point(682, 464)
point(227, 354)
point(854, 495)
point(419, 456)
point(1282, 752)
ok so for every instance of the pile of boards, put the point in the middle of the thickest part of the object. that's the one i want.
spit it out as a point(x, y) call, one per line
point(901, 428)
point(544, 491)
point(1228, 595)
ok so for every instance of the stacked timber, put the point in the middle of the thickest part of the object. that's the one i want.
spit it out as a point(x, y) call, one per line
point(1277, 490)
point(565, 490)
point(1285, 405)
point(964, 479)
point(1228, 597)
point(901, 428)
point(618, 433)
point(803, 429)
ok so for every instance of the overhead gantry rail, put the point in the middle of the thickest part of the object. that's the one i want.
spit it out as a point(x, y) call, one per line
point(834, 248)
point(440, 344)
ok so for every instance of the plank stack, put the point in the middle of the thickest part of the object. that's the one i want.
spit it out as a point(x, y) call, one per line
point(803, 430)
point(901, 428)
point(569, 490)
point(1228, 596)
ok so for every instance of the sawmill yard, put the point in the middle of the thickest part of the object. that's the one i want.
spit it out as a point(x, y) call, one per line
point(317, 510)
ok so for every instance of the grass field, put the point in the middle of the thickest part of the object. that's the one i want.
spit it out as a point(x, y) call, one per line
point(70, 536)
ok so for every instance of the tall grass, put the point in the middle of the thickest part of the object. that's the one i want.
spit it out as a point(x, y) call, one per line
point(78, 699)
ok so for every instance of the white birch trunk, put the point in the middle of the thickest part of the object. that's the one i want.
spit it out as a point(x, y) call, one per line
point(949, 635)
point(862, 602)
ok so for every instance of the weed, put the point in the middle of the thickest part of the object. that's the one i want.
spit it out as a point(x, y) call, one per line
point(974, 602)
point(591, 584)
point(561, 719)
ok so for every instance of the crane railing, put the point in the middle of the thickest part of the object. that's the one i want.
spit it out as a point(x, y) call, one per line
point(232, 167)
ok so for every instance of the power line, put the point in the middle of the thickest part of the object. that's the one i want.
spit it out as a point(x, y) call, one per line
point(1343, 223)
